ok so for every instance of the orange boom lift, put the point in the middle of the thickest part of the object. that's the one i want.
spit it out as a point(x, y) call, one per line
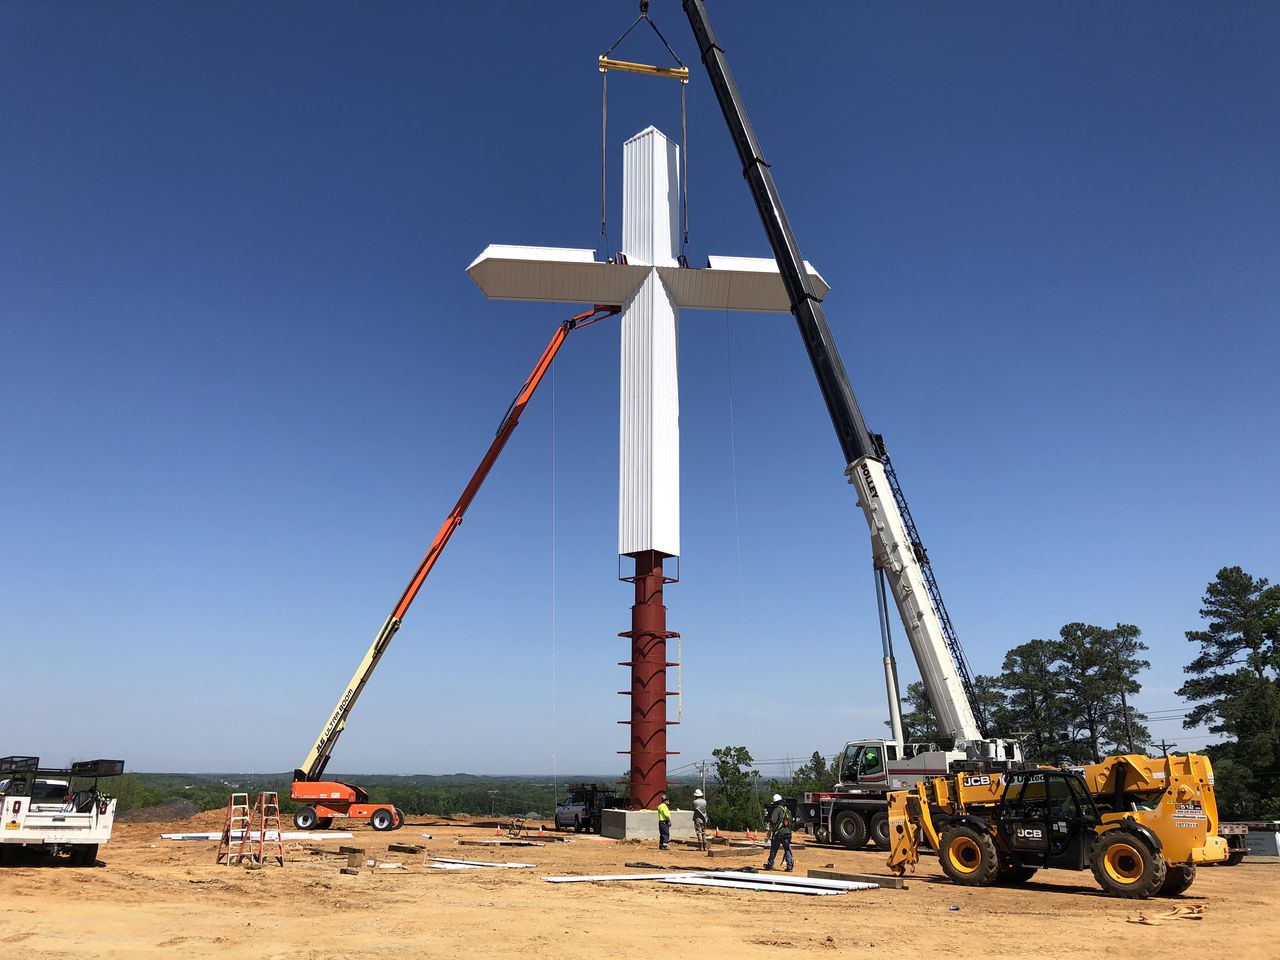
point(327, 800)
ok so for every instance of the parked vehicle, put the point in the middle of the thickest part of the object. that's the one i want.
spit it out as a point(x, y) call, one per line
point(583, 809)
point(59, 809)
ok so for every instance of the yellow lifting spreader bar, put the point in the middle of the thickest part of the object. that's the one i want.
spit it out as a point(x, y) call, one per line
point(675, 73)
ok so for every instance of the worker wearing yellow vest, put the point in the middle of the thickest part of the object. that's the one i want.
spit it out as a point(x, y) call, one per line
point(664, 824)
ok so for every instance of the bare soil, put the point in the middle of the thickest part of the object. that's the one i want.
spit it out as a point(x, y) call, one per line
point(152, 897)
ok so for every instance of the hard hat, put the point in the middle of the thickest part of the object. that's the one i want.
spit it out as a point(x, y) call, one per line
point(664, 796)
point(697, 793)
point(777, 798)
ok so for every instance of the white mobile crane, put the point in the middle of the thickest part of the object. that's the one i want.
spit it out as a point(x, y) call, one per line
point(867, 769)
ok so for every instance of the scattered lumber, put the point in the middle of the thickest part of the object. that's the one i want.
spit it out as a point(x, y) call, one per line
point(405, 847)
point(350, 871)
point(351, 849)
point(735, 852)
point(887, 883)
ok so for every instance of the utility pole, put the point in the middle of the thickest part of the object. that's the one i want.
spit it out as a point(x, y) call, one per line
point(702, 769)
point(1128, 720)
point(1164, 747)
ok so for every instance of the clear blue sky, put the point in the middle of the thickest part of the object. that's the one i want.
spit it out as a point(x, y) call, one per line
point(243, 374)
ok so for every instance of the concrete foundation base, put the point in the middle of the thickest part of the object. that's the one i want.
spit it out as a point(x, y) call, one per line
point(643, 824)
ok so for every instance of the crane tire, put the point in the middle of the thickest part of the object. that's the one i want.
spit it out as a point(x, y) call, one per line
point(306, 818)
point(382, 819)
point(880, 830)
point(1125, 866)
point(850, 829)
point(1178, 877)
point(968, 856)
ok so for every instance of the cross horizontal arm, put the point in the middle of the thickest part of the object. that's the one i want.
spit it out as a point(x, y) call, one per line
point(570, 275)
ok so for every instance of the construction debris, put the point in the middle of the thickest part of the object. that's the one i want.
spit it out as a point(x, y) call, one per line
point(734, 852)
point(448, 863)
point(500, 843)
point(254, 835)
point(697, 880)
point(1153, 918)
point(405, 847)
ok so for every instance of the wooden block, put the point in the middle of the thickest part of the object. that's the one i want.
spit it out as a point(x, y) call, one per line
point(735, 852)
point(406, 847)
point(350, 871)
point(888, 883)
point(355, 860)
point(351, 849)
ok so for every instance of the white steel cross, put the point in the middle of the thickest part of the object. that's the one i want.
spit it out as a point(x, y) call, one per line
point(652, 288)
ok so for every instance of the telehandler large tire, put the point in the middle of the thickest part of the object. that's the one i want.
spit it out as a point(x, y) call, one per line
point(969, 856)
point(1177, 879)
point(1125, 866)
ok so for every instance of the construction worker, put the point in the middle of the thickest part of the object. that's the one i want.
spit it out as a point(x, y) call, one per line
point(664, 824)
point(700, 818)
point(779, 821)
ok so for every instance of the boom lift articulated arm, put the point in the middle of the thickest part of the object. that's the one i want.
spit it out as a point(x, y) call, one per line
point(895, 550)
point(313, 767)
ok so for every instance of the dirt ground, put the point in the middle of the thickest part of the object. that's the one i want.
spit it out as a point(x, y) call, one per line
point(150, 897)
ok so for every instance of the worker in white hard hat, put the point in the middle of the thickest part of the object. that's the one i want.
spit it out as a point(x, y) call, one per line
point(779, 821)
point(700, 818)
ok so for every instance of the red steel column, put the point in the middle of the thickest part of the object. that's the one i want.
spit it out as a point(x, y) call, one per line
point(648, 663)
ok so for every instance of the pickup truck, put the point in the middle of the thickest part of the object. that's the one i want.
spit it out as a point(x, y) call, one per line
point(58, 809)
point(583, 809)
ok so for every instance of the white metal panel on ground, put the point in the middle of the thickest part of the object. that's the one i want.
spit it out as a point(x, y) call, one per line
point(747, 284)
point(785, 878)
point(704, 881)
point(649, 424)
point(481, 863)
point(619, 876)
point(553, 275)
point(650, 198)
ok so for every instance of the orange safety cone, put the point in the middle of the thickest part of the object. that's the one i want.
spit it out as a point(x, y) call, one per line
point(497, 831)
point(717, 833)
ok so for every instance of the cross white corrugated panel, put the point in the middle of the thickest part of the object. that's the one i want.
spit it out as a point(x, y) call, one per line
point(749, 284)
point(756, 886)
point(650, 198)
point(552, 275)
point(649, 422)
point(787, 879)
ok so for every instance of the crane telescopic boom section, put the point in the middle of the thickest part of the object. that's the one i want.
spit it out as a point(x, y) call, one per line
point(313, 767)
point(895, 551)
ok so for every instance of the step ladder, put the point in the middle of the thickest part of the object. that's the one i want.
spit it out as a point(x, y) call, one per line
point(268, 810)
point(236, 829)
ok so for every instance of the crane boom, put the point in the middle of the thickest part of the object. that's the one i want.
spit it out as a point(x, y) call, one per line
point(312, 768)
point(892, 546)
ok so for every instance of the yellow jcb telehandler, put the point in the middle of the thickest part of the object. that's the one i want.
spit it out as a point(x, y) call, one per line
point(1141, 824)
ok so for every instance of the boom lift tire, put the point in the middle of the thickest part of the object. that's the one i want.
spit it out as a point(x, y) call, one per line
point(324, 823)
point(880, 830)
point(1177, 879)
point(1125, 866)
point(969, 856)
point(850, 829)
point(399, 819)
point(306, 818)
point(382, 819)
